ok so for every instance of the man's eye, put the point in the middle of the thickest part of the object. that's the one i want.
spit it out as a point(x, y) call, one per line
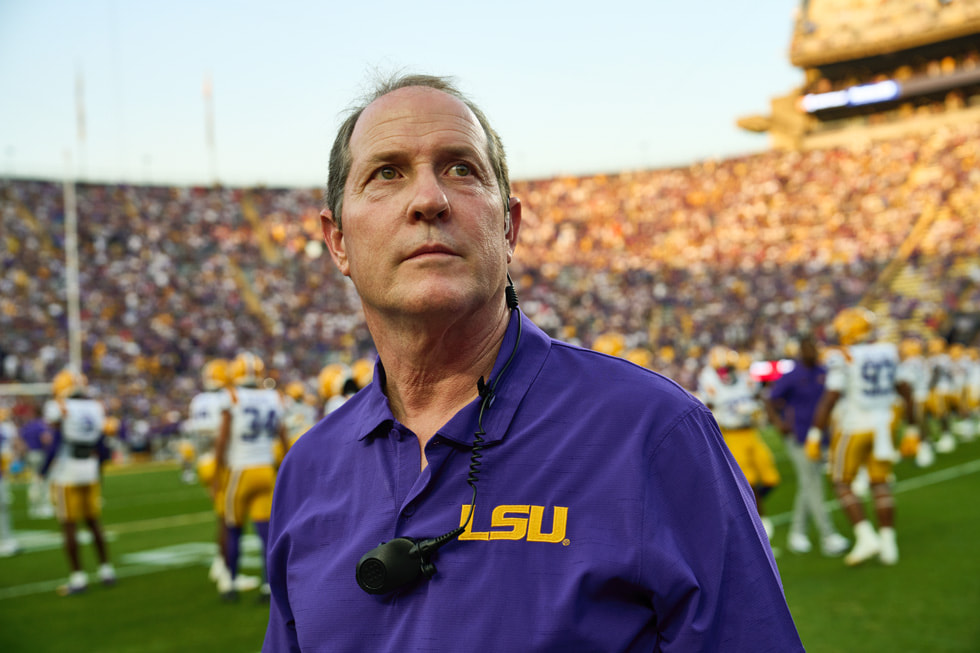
point(460, 170)
point(387, 173)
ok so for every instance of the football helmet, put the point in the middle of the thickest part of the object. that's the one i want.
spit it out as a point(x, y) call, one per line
point(910, 348)
point(720, 357)
point(937, 346)
point(295, 390)
point(743, 361)
point(362, 370)
point(957, 351)
point(247, 369)
point(331, 379)
point(853, 325)
point(67, 382)
point(215, 374)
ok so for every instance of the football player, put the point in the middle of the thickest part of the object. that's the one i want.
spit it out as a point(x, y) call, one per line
point(863, 383)
point(940, 393)
point(331, 385)
point(249, 426)
point(204, 422)
point(958, 404)
point(732, 396)
point(300, 415)
point(74, 463)
point(914, 368)
point(971, 392)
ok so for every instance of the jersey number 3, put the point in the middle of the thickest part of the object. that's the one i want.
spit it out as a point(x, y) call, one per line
point(262, 422)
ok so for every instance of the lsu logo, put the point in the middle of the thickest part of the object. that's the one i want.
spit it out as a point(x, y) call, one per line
point(518, 522)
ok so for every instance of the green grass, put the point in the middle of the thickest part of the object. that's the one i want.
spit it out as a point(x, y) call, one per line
point(164, 602)
point(929, 602)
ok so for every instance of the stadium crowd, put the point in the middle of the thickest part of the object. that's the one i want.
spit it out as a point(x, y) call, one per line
point(747, 251)
point(827, 25)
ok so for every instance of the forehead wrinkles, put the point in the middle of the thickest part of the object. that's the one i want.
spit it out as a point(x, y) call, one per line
point(411, 118)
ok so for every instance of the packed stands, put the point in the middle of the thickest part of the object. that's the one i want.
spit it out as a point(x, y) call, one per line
point(746, 251)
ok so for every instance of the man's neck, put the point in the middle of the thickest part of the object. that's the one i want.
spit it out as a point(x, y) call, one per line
point(432, 369)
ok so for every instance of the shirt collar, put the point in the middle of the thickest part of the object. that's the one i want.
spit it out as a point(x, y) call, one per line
point(509, 387)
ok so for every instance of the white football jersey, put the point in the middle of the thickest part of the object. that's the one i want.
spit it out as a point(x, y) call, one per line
point(941, 373)
point(866, 381)
point(256, 414)
point(915, 372)
point(81, 423)
point(732, 402)
point(205, 413)
point(300, 417)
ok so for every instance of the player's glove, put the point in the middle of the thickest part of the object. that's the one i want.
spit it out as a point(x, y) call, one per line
point(813, 439)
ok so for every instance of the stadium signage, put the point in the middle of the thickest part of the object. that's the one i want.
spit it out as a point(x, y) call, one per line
point(852, 97)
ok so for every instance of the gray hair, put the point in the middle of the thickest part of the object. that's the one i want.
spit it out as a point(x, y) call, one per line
point(340, 154)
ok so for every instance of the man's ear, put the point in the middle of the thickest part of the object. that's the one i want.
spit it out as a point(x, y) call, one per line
point(512, 226)
point(334, 238)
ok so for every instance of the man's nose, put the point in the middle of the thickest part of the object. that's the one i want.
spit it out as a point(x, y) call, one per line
point(429, 201)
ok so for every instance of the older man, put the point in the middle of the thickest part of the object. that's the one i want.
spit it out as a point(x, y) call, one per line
point(531, 495)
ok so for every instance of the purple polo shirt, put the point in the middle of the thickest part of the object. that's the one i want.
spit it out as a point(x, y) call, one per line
point(799, 391)
point(609, 516)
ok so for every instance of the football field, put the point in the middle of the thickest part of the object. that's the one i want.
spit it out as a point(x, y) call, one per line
point(161, 532)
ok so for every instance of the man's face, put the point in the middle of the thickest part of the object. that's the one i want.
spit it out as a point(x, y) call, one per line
point(424, 224)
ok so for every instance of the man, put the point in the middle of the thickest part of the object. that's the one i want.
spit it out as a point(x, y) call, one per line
point(863, 382)
point(791, 402)
point(732, 396)
point(251, 423)
point(74, 466)
point(570, 500)
point(37, 437)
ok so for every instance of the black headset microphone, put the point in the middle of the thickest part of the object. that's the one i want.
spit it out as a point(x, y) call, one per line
point(401, 561)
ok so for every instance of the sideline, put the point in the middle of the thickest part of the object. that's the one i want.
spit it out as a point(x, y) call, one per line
point(131, 570)
point(925, 480)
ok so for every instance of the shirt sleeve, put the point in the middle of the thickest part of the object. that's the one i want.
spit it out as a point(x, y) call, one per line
point(780, 389)
point(52, 412)
point(715, 583)
point(50, 452)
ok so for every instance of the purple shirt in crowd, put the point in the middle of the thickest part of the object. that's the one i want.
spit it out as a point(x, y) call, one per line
point(610, 516)
point(31, 433)
point(799, 392)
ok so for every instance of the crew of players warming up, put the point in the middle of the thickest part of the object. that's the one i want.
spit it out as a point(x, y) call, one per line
point(847, 412)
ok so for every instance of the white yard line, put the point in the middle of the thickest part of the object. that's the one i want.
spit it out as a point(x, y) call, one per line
point(925, 480)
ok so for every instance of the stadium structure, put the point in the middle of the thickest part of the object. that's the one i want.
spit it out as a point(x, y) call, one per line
point(875, 69)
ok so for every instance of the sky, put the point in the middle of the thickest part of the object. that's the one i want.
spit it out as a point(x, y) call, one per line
point(573, 88)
